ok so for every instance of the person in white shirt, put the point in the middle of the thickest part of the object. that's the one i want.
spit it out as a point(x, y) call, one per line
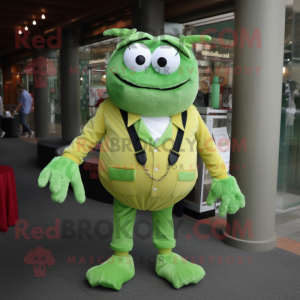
point(2, 133)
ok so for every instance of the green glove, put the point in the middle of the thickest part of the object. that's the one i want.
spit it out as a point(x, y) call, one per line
point(230, 194)
point(60, 172)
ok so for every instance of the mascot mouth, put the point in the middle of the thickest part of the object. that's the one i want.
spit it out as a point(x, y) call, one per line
point(150, 88)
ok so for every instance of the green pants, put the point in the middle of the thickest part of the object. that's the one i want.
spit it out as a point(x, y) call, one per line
point(124, 217)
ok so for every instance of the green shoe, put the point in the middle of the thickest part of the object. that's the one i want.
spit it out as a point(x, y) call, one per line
point(112, 273)
point(177, 270)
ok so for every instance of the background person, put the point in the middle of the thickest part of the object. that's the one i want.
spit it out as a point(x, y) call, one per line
point(202, 98)
point(25, 107)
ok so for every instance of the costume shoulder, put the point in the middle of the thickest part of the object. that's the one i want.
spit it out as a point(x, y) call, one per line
point(108, 105)
point(193, 111)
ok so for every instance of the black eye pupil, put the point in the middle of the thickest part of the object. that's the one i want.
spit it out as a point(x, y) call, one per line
point(140, 60)
point(162, 62)
point(36, 68)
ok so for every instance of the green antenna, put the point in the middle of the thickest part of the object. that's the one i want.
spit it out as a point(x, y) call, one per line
point(190, 39)
point(123, 33)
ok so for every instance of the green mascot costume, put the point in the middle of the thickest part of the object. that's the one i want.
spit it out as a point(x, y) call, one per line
point(148, 160)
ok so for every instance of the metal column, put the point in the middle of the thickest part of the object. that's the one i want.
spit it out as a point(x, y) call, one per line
point(69, 70)
point(41, 105)
point(256, 121)
point(148, 16)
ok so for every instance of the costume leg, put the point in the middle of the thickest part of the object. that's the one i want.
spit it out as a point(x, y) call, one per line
point(119, 268)
point(124, 217)
point(170, 265)
point(163, 229)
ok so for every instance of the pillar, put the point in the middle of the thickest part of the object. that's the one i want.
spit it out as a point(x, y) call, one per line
point(69, 71)
point(148, 16)
point(256, 121)
point(40, 94)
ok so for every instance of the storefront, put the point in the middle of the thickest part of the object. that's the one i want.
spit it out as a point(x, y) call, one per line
point(216, 59)
point(24, 72)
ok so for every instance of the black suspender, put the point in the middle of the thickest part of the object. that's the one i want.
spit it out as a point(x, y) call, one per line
point(174, 153)
point(140, 153)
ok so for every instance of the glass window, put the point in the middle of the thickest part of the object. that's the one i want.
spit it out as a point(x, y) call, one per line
point(93, 60)
point(53, 90)
point(52, 84)
point(288, 183)
point(27, 81)
point(215, 58)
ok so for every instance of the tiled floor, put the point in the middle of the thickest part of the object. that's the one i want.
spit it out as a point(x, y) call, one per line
point(288, 225)
point(288, 244)
point(287, 228)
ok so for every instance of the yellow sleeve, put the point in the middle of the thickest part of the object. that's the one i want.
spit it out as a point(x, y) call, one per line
point(209, 152)
point(92, 133)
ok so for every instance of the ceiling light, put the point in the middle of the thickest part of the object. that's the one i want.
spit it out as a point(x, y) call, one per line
point(20, 31)
point(43, 17)
point(104, 76)
point(26, 28)
point(34, 22)
point(81, 78)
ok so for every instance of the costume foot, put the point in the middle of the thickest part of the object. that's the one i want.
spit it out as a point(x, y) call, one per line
point(177, 270)
point(112, 273)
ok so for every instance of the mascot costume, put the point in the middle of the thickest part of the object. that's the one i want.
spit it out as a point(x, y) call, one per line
point(152, 133)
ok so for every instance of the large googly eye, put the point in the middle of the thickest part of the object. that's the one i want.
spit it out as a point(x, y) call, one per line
point(165, 60)
point(137, 57)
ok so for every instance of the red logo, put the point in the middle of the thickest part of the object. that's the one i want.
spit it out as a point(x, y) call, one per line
point(40, 68)
point(40, 258)
point(38, 42)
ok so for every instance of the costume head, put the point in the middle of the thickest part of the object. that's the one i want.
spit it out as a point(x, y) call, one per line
point(153, 76)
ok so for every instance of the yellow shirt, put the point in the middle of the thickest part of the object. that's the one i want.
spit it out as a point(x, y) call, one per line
point(125, 178)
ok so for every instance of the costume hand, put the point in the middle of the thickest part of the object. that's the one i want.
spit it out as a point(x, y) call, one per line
point(60, 172)
point(230, 194)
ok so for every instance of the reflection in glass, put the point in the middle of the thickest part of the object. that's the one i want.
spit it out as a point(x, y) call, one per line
point(214, 58)
point(288, 183)
point(93, 60)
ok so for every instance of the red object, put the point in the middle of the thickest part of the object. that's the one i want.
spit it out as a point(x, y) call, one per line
point(32, 103)
point(8, 198)
point(99, 102)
